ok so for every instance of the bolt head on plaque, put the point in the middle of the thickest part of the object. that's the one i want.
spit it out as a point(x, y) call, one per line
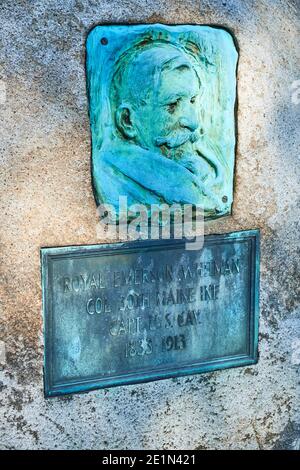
point(161, 103)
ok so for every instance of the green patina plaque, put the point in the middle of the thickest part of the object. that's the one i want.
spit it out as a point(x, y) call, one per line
point(131, 312)
point(161, 104)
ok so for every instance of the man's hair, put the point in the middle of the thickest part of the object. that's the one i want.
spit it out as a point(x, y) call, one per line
point(138, 71)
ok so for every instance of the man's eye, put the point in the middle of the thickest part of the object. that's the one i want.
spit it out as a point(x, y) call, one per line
point(193, 99)
point(172, 106)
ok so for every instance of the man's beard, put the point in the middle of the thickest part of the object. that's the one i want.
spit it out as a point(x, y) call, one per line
point(181, 146)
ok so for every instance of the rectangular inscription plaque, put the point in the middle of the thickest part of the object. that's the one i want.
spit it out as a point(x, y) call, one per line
point(133, 312)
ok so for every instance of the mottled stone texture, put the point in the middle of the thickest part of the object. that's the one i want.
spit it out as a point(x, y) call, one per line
point(46, 200)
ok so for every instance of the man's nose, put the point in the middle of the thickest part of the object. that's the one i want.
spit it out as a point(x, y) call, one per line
point(189, 120)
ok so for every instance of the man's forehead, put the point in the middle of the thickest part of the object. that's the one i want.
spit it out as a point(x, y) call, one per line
point(178, 81)
point(155, 70)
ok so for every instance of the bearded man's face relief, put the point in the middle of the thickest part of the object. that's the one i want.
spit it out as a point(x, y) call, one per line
point(162, 115)
point(174, 109)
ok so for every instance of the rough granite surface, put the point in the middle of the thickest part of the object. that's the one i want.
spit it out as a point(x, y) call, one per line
point(46, 200)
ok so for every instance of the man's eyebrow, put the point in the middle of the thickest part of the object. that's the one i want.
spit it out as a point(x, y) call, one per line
point(174, 97)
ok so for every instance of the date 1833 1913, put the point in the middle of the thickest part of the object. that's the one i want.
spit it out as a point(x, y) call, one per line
point(141, 347)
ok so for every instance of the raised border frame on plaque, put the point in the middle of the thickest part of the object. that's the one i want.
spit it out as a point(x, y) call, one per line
point(83, 351)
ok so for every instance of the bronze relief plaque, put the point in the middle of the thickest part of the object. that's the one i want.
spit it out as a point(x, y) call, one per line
point(162, 115)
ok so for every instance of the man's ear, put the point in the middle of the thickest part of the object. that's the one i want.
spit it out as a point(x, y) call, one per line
point(124, 121)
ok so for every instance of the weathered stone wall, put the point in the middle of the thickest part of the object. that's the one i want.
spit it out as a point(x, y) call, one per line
point(46, 200)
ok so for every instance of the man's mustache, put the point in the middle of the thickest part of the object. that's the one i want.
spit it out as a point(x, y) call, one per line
point(177, 138)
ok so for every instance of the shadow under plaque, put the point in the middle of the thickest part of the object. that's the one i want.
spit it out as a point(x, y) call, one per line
point(133, 312)
point(161, 106)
